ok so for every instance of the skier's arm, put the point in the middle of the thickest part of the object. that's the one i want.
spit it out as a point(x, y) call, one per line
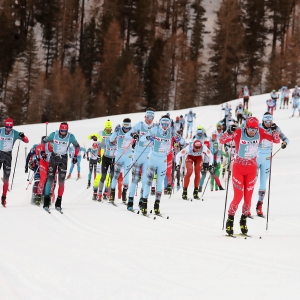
point(76, 145)
point(272, 138)
point(181, 153)
point(48, 138)
point(20, 136)
point(282, 136)
point(113, 136)
point(150, 133)
point(207, 152)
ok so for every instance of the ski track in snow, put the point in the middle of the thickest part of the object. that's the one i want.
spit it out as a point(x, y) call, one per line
point(98, 251)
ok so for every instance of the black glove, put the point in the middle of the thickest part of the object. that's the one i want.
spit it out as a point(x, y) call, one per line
point(99, 159)
point(26, 169)
point(273, 127)
point(21, 134)
point(43, 155)
point(211, 169)
point(205, 166)
point(135, 135)
point(215, 164)
point(83, 156)
point(88, 159)
point(232, 129)
point(283, 145)
point(94, 138)
point(177, 168)
point(70, 155)
point(74, 160)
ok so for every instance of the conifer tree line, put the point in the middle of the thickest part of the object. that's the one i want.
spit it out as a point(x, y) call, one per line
point(77, 59)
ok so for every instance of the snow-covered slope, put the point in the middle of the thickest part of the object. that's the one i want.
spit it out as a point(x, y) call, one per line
point(97, 251)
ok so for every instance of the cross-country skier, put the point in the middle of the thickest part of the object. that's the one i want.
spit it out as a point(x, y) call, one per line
point(161, 137)
point(190, 116)
point(245, 94)
point(239, 113)
point(61, 140)
point(227, 109)
point(141, 152)
point(8, 136)
point(71, 155)
point(246, 142)
point(284, 99)
point(123, 157)
point(271, 104)
point(296, 100)
point(263, 158)
point(274, 96)
point(194, 153)
point(93, 155)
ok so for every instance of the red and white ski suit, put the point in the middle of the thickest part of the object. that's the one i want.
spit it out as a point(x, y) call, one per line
point(244, 165)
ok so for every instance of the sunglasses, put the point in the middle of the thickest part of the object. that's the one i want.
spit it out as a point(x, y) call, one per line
point(10, 127)
point(164, 124)
point(252, 129)
point(149, 117)
point(63, 130)
point(197, 148)
point(268, 121)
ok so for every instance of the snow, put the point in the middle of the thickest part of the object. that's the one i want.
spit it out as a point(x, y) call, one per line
point(97, 251)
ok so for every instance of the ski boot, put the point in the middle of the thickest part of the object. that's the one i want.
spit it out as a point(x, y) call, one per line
point(144, 206)
point(99, 197)
point(94, 196)
point(165, 191)
point(89, 184)
point(124, 196)
point(259, 210)
point(69, 176)
point(169, 189)
point(58, 203)
point(38, 200)
point(229, 225)
point(220, 188)
point(200, 189)
point(47, 200)
point(141, 203)
point(243, 224)
point(156, 207)
point(112, 196)
point(3, 201)
point(195, 194)
point(184, 194)
point(153, 191)
point(130, 204)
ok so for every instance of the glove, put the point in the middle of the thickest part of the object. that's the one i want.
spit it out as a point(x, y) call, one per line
point(283, 145)
point(83, 156)
point(232, 129)
point(273, 127)
point(177, 168)
point(70, 155)
point(94, 138)
point(74, 160)
point(177, 139)
point(211, 169)
point(135, 135)
point(118, 127)
point(205, 166)
point(99, 159)
point(150, 138)
point(215, 164)
point(26, 169)
point(21, 134)
point(43, 155)
point(88, 159)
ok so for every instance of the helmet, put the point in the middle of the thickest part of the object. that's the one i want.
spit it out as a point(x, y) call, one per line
point(150, 114)
point(226, 105)
point(95, 145)
point(252, 122)
point(267, 117)
point(197, 145)
point(108, 124)
point(177, 118)
point(199, 132)
point(245, 87)
point(229, 114)
point(207, 144)
point(64, 126)
point(213, 136)
point(126, 124)
point(9, 123)
point(190, 111)
point(273, 91)
point(168, 114)
point(181, 116)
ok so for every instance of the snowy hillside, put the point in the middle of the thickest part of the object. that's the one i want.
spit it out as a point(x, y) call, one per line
point(98, 251)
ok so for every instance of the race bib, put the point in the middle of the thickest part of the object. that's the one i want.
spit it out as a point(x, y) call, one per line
point(251, 151)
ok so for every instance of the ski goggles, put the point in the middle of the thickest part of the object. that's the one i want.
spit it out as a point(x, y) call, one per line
point(63, 130)
point(268, 119)
point(126, 125)
point(197, 148)
point(9, 127)
point(149, 115)
point(252, 130)
point(164, 124)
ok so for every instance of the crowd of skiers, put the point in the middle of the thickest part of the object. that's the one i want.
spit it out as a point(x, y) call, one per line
point(162, 156)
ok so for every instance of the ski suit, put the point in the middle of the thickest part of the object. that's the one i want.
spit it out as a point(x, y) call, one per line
point(7, 140)
point(271, 104)
point(93, 160)
point(157, 159)
point(263, 160)
point(190, 123)
point(227, 110)
point(244, 165)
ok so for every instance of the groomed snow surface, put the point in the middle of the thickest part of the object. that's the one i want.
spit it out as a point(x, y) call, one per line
point(98, 251)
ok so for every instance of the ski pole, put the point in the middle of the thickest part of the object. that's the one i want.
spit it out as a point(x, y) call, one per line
point(227, 190)
point(267, 225)
point(137, 159)
point(30, 181)
point(25, 160)
point(205, 187)
point(270, 158)
point(15, 166)
point(123, 152)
